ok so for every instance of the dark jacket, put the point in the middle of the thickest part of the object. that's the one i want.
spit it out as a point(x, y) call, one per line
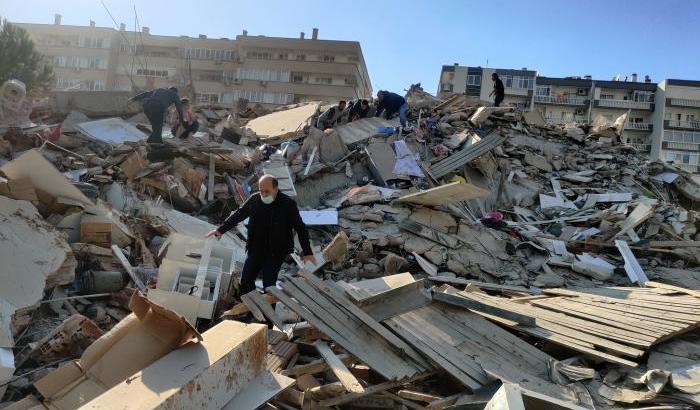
point(391, 102)
point(164, 98)
point(270, 226)
point(498, 87)
point(357, 110)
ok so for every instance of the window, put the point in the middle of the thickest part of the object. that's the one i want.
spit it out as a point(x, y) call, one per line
point(543, 91)
point(324, 80)
point(260, 97)
point(93, 42)
point(207, 97)
point(474, 79)
point(263, 74)
point(682, 157)
point(446, 87)
point(507, 80)
point(66, 83)
point(301, 57)
point(524, 83)
point(152, 73)
point(282, 56)
point(230, 75)
point(607, 96)
point(689, 137)
point(350, 81)
point(643, 96)
point(210, 76)
point(297, 79)
point(259, 55)
point(328, 59)
point(208, 54)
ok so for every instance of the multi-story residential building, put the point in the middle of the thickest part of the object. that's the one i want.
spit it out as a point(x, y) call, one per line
point(676, 135)
point(564, 100)
point(268, 70)
point(476, 81)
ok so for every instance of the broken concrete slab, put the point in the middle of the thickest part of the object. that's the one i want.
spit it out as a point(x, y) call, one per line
point(146, 335)
point(283, 125)
point(537, 161)
point(34, 255)
point(44, 176)
point(445, 194)
point(363, 129)
point(229, 358)
point(111, 130)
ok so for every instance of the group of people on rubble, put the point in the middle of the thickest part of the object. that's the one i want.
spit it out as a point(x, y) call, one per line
point(387, 105)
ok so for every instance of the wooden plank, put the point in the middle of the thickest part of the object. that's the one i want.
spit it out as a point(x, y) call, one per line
point(641, 213)
point(346, 378)
point(242, 308)
point(129, 269)
point(424, 264)
point(659, 285)
point(263, 388)
point(317, 366)
point(508, 397)
point(482, 285)
point(210, 179)
point(375, 389)
point(252, 307)
point(346, 332)
point(481, 306)
point(365, 318)
point(265, 308)
point(445, 194)
point(429, 233)
point(406, 403)
point(461, 367)
point(366, 288)
point(418, 396)
point(632, 267)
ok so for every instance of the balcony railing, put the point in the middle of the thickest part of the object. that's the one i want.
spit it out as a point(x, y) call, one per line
point(641, 147)
point(558, 120)
point(685, 102)
point(625, 104)
point(556, 99)
point(638, 126)
point(682, 124)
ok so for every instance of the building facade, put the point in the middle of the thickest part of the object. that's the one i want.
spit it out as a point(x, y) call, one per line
point(267, 70)
point(664, 118)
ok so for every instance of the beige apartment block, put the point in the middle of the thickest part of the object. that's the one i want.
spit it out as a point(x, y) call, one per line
point(677, 139)
point(267, 70)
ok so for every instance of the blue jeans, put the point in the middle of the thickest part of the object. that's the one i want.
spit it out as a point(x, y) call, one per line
point(402, 114)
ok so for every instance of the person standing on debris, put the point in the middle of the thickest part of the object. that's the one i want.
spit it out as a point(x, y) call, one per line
point(391, 103)
point(155, 104)
point(190, 126)
point(330, 116)
point(498, 90)
point(273, 218)
point(359, 110)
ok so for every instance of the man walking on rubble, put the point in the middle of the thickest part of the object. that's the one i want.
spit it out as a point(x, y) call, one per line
point(391, 103)
point(330, 116)
point(498, 89)
point(273, 218)
point(155, 104)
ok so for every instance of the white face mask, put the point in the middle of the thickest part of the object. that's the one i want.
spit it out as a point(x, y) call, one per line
point(267, 199)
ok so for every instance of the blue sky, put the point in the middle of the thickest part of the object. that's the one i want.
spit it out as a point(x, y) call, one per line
point(407, 41)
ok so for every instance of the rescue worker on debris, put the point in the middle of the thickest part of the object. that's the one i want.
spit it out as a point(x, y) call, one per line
point(359, 110)
point(390, 104)
point(191, 125)
point(498, 90)
point(155, 104)
point(330, 116)
point(273, 219)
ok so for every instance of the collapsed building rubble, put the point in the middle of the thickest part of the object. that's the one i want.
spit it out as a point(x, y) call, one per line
point(478, 258)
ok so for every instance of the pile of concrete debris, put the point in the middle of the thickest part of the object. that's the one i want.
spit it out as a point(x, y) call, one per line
point(477, 259)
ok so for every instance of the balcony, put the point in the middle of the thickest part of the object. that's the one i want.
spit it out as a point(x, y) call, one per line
point(580, 119)
point(625, 104)
point(639, 126)
point(560, 100)
point(688, 125)
point(683, 102)
point(641, 147)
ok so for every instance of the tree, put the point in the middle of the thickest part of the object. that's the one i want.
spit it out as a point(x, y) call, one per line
point(19, 59)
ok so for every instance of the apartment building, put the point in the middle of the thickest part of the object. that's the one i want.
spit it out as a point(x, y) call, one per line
point(476, 81)
point(677, 114)
point(267, 70)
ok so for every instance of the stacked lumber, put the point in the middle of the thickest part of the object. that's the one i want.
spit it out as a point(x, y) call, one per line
point(327, 309)
point(613, 324)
